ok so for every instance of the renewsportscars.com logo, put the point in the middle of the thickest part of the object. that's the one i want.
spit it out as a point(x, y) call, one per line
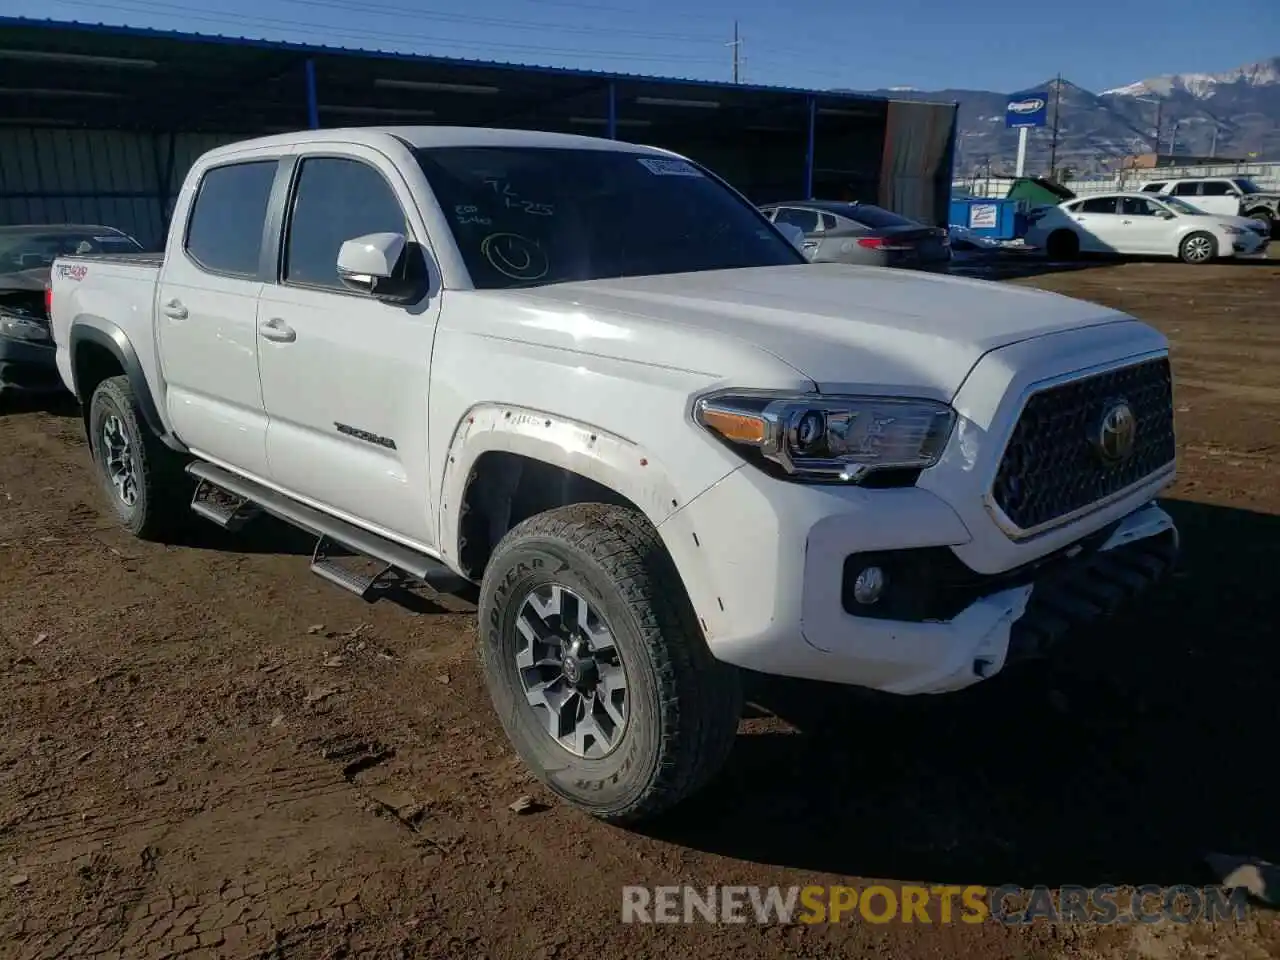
point(1010, 905)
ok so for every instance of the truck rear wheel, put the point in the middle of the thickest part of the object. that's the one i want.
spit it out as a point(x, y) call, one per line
point(141, 477)
point(596, 664)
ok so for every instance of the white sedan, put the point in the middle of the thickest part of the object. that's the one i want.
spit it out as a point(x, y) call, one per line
point(1143, 224)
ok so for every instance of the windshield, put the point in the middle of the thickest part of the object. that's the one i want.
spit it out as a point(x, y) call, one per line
point(1181, 206)
point(35, 251)
point(526, 216)
point(877, 218)
point(1247, 185)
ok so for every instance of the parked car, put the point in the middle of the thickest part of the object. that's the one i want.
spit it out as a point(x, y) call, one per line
point(837, 232)
point(1143, 224)
point(592, 378)
point(1235, 196)
point(26, 256)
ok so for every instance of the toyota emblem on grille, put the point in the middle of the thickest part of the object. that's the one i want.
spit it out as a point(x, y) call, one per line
point(1115, 433)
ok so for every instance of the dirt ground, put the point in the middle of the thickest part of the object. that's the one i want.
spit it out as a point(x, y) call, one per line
point(206, 749)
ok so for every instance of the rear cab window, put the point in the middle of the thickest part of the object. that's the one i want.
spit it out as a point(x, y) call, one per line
point(225, 226)
point(1154, 187)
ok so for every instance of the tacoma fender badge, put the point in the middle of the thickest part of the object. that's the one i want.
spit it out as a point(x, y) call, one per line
point(365, 435)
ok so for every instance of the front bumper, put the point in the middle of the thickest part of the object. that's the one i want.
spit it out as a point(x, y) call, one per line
point(771, 588)
point(1250, 245)
point(28, 366)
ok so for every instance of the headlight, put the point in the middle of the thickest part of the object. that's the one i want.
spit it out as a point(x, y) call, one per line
point(1233, 231)
point(830, 438)
point(21, 328)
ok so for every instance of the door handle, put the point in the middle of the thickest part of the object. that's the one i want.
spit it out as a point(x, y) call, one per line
point(277, 331)
point(1127, 221)
point(174, 310)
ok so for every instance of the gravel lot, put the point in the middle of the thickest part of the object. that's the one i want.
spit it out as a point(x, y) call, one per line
point(207, 749)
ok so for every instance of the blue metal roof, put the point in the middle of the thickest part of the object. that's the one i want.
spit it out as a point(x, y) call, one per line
point(337, 51)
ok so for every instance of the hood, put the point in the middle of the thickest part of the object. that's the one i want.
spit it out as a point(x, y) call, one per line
point(844, 327)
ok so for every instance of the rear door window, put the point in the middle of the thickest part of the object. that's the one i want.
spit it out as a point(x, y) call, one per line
point(806, 220)
point(224, 231)
point(1098, 205)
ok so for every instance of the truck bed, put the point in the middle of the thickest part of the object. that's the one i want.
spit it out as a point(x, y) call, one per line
point(114, 292)
point(155, 260)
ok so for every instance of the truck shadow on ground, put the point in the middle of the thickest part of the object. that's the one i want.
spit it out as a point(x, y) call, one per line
point(57, 404)
point(1145, 748)
point(268, 535)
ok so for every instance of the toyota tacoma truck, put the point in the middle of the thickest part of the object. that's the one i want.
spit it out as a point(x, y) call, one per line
point(592, 379)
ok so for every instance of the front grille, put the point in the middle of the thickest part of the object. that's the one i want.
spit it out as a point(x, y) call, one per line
point(1051, 466)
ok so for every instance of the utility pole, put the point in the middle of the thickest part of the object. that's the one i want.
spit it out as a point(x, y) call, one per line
point(1159, 115)
point(1053, 147)
point(737, 47)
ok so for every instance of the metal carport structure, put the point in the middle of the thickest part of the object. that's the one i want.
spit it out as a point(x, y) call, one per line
point(100, 123)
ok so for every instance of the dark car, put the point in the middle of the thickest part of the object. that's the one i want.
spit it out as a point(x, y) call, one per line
point(26, 257)
point(838, 232)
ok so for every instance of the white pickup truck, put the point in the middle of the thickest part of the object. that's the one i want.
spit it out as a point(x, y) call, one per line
point(592, 378)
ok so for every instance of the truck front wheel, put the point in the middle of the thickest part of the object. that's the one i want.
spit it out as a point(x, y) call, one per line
point(597, 667)
point(141, 477)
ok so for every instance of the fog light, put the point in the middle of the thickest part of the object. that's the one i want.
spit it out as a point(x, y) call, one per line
point(869, 585)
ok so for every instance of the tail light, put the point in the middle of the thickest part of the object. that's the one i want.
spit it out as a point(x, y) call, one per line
point(48, 301)
point(880, 243)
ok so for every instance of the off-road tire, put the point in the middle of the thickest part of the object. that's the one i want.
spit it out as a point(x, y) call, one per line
point(1062, 245)
point(684, 705)
point(1184, 248)
point(162, 508)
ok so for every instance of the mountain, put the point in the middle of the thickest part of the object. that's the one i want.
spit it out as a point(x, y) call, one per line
point(1239, 108)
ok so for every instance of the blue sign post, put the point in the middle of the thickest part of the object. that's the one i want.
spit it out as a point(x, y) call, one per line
point(1022, 113)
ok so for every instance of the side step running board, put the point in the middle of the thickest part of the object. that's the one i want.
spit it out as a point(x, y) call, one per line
point(227, 510)
point(333, 535)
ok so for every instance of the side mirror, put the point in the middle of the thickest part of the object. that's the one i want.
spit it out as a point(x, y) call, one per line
point(384, 265)
point(793, 233)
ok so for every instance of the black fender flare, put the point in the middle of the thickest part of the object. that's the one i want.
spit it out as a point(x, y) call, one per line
point(110, 337)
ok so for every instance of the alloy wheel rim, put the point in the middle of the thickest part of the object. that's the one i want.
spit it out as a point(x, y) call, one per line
point(570, 671)
point(1197, 248)
point(117, 456)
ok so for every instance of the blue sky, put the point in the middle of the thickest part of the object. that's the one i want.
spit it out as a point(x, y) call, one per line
point(862, 44)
